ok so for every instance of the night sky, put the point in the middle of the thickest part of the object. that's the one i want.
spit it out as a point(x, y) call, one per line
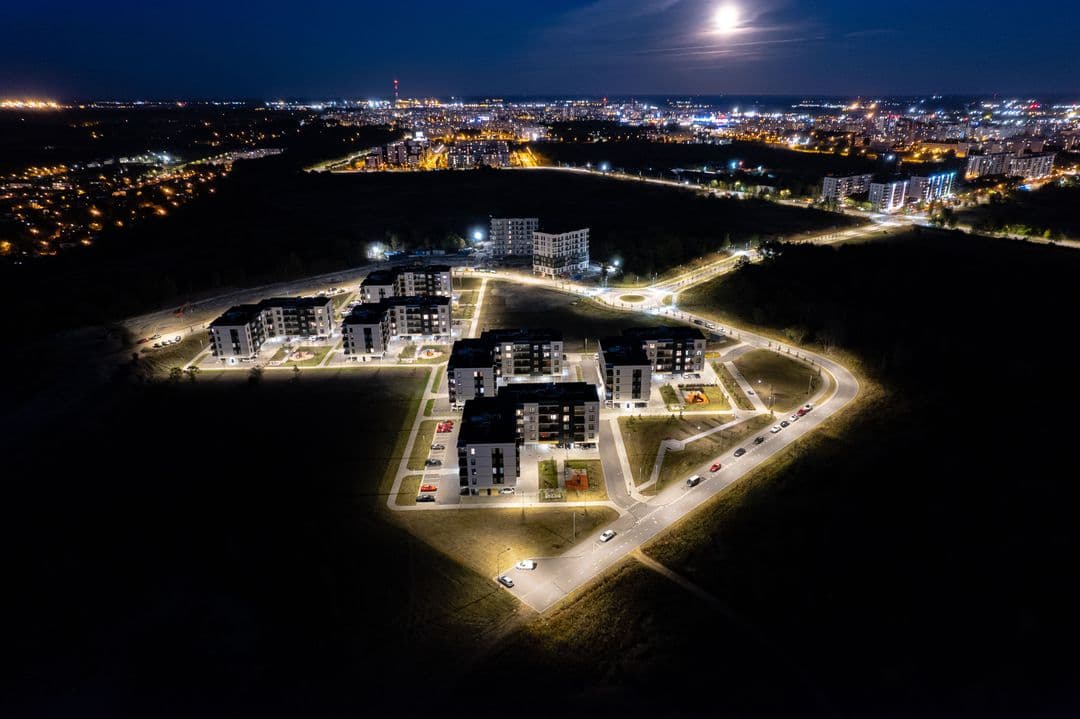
point(136, 48)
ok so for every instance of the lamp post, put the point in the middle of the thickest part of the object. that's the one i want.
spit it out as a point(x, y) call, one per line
point(498, 556)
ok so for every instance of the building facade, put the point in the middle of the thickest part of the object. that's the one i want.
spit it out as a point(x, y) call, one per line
point(487, 447)
point(837, 188)
point(470, 373)
point(671, 350)
point(365, 331)
point(625, 371)
point(242, 330)
point(407, 281)
point(888, 196)
point(562, 254)
point(528, 352)
point(565, 412)
point(369, 328)
point(929, 188)
point(478, 153)
point(1027, 166)
point(513, 236)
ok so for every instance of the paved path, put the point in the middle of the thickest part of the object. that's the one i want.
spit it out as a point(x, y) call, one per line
point(746, 387)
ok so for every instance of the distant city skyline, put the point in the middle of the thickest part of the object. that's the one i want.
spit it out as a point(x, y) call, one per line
point(65, 49)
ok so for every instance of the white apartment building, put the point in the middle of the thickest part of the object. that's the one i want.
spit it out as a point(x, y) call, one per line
point(888, 196)
point(562, 254)
point(837, 188)
point(929, 188)
point(513, 236)
point(241, 331)
point(368, 329)
point(625, 372)
point(407, 281)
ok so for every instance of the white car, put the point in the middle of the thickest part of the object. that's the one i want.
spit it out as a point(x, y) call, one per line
point(526, 564)
point(793, 418)
point(607, 535)
point(776, 428)
point(506, 581)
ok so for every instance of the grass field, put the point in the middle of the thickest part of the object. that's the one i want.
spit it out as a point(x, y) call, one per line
point(467, 283)
point(510, 305)
point(475, 537)
point(715, 447)
point(732, 387)
point(642, 437)
point(548, 474)
point(422, 446)
point(429, 408)
point(670, 396)
point(631, 298)
point(319, 352)
point(597, 491)
point(790, 382)
point(177, 355)
point(463, 312)
point(410, 487)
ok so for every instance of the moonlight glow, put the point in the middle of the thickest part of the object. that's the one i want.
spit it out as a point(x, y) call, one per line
point(726, 19)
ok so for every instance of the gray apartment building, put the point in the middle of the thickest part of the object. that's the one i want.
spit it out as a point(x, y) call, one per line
point(369, 328)
point(406, 281)
point(470, 373)
point(512, 236)
point(562, 254)
point(671, 350)
point(528, 351)
point(625, 371)
point(242, 330)
point(487, 447)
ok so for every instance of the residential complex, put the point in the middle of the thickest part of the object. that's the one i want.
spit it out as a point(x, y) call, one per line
point(888, 196)
point(478, 153)
point(928, 188)
point(513, 236)
point(837, 188)
point(477, 365)
point(241, 331)
point(671, 350)
point(561, 255)
point(406, 281)
point(1027, 166)
point(369, 328)
point(494, 428)
point(625, 371)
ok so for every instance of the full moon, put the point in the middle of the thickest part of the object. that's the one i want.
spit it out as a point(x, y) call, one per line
point(726, 19)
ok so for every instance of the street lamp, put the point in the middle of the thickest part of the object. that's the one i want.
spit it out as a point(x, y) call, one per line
point(498, 556)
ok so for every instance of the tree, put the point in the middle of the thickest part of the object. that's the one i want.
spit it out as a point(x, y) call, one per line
point(175, 374)
point(192, 373)
point(255, 375)
point(295, 374)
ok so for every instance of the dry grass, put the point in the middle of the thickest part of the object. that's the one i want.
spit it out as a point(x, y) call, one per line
point(410, 487)
point(791, 382)
point(422, 446)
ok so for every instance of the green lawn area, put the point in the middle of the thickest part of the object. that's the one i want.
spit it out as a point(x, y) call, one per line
point(632, 298)
point(790, 381)
point(422, 447)
point(670, 396)
point(719, 446)
point(733, 388)
point(177, 355)
point(443, 351)
point(468, 297)
point(429, 407)
point(467, 283)
point(408, 351)
point(642, 437)
point(717, 400)
point(511, 305)
point(438, 377)
point(475, 537)
point(319, 352)
point(341, 300)
point(410, 487)
point(463, 312)
point(597, 491)
point(549, 478)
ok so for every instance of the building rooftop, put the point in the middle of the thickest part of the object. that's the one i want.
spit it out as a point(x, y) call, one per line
point(387, 277)
point(379, 277)
point(622, 351)
point(549, 392)
point(471, 353)
point(295, 302)
point(369, 314)
point(487, 420)
point(680, 332)
point(522, 334)
point(236, 316)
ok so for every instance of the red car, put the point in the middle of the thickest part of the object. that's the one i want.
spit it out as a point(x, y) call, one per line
point(715, 467)
point(428, 488)
point(144, 339)
point(801, 412)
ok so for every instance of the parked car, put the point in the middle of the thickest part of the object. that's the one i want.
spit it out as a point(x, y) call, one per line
point(432, 462)
point(740, 451)
point(155, 337)
point(775, 428)
point(715, 467)
point(587, 445)
point(785, 423)
point(506, 490)
point(808, 406)
point(177, 338)
point(794, 417)
point(801, 412)
point(607, 535)
point(750, 391)
point(693, 481)
point(437, 447)
point(758, 440)
point(142, 341)
point(428, 488)
point(526, 564)
point(506, 581)
point(426, 498)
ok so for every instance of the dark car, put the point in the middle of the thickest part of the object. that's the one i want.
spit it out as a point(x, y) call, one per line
point(785, 423)
point(433, 462)
point(426, 498)
point(740, 451)
point(758, 440)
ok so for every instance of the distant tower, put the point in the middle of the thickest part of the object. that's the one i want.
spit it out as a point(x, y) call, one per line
point(396, 98)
